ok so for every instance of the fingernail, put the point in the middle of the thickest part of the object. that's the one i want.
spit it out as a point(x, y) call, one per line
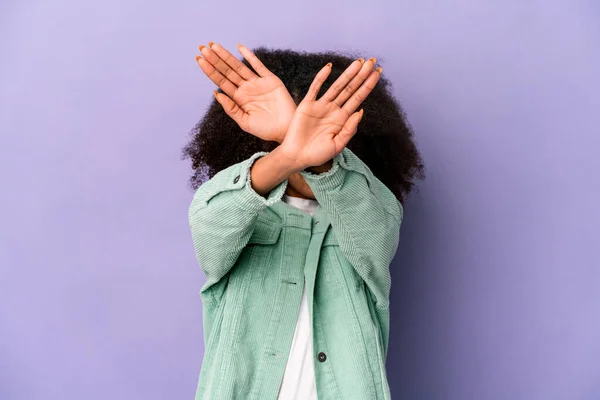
point(362, 60)
point(362, 111)
point(215, 93)
point(329, 64)
point(239, 45)
point(373, 59)
point(201, 47)
point(210, 44)
point(198, 58)
point(379, 69)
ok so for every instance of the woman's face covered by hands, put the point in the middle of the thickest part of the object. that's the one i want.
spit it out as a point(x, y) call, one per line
point(311, 132)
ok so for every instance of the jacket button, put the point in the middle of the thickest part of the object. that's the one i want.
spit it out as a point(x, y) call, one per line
point(237, 178)
point(322, 357)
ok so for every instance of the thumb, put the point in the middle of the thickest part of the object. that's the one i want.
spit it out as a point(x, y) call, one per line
point(348, 130)
point(232, 109)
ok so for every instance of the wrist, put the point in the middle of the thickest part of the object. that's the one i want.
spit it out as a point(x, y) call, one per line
point(281, 137)
point(282, 134)
point(286, 161)
point(284, 129)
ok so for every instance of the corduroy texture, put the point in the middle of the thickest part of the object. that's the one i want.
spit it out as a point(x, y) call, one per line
point(256, 253)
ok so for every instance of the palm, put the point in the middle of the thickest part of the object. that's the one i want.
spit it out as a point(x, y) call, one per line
point(320, 129)
point(313, 130)
point(267, 106)
point(258, 101)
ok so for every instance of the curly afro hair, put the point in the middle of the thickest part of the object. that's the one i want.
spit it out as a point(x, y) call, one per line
point(384, 140)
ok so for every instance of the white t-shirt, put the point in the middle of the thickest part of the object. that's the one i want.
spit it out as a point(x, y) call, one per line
point(299, 377)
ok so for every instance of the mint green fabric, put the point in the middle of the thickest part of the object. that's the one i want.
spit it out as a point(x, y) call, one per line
point(257, 253)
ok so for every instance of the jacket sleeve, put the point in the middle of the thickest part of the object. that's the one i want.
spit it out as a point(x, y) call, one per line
point(365, 216)
point(222, 217)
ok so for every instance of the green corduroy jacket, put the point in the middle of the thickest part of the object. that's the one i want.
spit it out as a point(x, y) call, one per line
point(257, 253)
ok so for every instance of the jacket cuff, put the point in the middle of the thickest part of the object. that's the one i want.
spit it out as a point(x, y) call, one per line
point(327, 180)
point(248, 196)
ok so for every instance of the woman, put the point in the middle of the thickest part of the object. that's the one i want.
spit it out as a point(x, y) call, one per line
point(294, 230)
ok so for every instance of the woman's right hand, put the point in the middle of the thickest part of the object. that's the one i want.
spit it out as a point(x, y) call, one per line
point(260, 104)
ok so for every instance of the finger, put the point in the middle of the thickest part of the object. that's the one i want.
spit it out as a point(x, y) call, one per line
point(235, 64)
point(363, 91)
point(316, 84)
point(221, 66)
point(258, 66)
point(215, 76)
point(343, 80)
point(356, 82)
point(232, 109)
point(348, 131)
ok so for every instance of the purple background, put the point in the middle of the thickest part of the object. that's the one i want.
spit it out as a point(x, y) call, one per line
point(496, 281)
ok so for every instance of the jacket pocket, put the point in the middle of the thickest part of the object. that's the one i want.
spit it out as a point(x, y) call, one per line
point(255, 255)
point(339, 271)
point(265, 232)
point(261, 245)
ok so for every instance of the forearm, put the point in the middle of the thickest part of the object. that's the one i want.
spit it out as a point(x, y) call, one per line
point(270, 170)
